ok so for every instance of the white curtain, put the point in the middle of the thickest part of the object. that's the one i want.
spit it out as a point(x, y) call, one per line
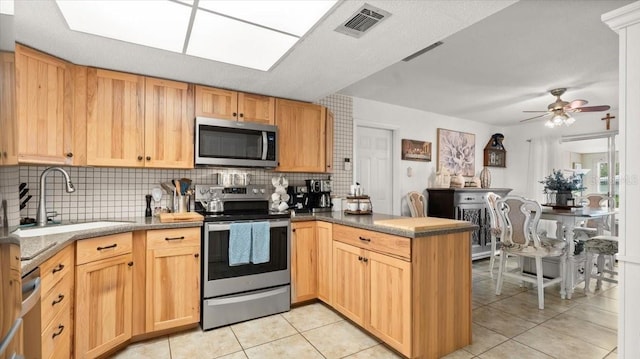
point(544, 157)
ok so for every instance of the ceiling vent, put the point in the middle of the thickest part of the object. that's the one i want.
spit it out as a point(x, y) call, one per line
point(428, 48)
point(363, 20)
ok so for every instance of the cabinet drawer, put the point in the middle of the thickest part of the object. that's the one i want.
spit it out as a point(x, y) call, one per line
point(57, 298)
point(168, 238)
point(57, 335)
point(54, 269)
point(375, 241)
point(90, 250)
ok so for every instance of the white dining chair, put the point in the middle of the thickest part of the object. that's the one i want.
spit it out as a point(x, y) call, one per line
point(590, 228)
point(416, 203)
point(518, 219)
point(490, 200)
point(605, 247)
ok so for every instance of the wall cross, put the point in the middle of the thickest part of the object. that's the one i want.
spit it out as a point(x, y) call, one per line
point(608, 118)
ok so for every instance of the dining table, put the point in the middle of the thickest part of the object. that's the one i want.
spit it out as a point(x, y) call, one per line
point(567, 219)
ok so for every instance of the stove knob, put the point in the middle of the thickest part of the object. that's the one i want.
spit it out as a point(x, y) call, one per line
point(262, 190)
point(255, 191)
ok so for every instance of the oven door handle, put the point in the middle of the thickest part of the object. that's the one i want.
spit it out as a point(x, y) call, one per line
point(227, 225)
point(246, 298)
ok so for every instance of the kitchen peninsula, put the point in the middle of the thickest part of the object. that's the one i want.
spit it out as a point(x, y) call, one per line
point(408, 279)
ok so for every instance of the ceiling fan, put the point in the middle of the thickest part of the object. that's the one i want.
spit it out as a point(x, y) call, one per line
point(560, 110)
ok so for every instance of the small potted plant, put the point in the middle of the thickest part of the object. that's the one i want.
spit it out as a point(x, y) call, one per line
point(556, 183)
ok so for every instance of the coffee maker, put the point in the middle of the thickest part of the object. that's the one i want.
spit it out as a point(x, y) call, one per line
point(319, 195)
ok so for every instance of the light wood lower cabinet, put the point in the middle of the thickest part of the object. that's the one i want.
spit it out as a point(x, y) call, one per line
point(303, 261)
point(103, 303)
point(172, 278)
point(413, 294)
point(324, 237)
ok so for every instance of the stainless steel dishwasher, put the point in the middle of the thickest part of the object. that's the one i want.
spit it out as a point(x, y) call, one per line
point(31, 312)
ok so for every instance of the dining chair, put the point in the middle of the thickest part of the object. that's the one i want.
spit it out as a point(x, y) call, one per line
point(490, 200)
point(416, 203)
point(589, 228)
point(518, 218)
point(605, 247)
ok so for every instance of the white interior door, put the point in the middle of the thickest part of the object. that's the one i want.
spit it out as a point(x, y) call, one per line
point(374, 166)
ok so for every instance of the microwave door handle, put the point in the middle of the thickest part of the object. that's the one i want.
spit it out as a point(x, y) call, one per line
point(265, 145)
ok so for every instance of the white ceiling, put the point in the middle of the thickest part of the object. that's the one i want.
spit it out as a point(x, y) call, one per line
point(497, 59)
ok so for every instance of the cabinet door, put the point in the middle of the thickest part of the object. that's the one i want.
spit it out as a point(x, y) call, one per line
point(8, 119)
point(168, 124)
point(389, 295)
point(115, 119)
point(325, 260)
point(349, 281)
point(172, 278)
point(216, 103)
point(103, 305)
point(44, 106)
point(256, 108)
point(329, 143)
point(304, 282)
point(301, 141)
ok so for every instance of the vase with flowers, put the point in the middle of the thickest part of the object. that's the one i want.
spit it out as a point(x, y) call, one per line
point(556, 184)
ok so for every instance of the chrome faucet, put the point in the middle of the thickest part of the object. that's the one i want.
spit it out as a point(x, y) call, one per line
point(41, 216)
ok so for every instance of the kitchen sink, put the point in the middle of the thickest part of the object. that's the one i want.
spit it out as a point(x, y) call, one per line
point(64, 228)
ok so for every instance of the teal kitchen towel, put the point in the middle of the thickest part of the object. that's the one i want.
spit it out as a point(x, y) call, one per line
point(239, 243)
point(261, 245)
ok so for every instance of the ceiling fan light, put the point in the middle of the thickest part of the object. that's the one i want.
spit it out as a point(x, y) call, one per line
point(557, 120)
point(569, 120)
point(549, 124)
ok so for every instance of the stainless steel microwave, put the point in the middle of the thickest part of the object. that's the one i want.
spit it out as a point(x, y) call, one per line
point(235, 143)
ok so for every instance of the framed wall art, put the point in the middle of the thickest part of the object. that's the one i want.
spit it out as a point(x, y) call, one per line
point(414, 150)
point(457, 152)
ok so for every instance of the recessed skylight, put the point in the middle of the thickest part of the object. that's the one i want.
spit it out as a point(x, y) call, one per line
point(159, 24)
point(249, 33)
point(293, 17)
point(6, 7)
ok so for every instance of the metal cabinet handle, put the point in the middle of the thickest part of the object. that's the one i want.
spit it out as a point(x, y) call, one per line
point(148, 158)
point(234, 114)
point(107, 247)
point(58, 300)
point(365, 239)
point(60, 329)
point(196, 255)
point(58, 268)
point(359, 258)
point(139, 158)
point(173, 238)
point(365, 259)
point(130, 264)
point(241, 114)
point(69, 154)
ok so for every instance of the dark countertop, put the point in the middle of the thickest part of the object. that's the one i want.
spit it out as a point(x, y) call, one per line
point(40, 248)
point(366, 221)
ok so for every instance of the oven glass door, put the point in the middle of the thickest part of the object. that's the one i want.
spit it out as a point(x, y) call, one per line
point(221, 278)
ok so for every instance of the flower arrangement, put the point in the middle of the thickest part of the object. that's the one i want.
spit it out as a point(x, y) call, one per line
point(558, 182)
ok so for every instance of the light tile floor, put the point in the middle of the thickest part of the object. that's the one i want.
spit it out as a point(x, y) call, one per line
point(505, 326)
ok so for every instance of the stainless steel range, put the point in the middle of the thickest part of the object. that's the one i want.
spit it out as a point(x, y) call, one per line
point(235, 293)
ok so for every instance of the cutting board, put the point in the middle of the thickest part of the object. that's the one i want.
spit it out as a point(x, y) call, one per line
point(181, 217)
point(418, 224)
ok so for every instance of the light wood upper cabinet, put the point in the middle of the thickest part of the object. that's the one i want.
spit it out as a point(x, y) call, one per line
point(115, 119)
point(172, 278)
point(303, 261)
point(103, 297)
point(216, 103)
point(44, 97)
point(233, 105)
point(325, 260)
point(301, 136)
point(168, 124)
point(8, 118)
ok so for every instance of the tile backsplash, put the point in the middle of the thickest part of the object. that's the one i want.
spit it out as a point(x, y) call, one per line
point(111, 193)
